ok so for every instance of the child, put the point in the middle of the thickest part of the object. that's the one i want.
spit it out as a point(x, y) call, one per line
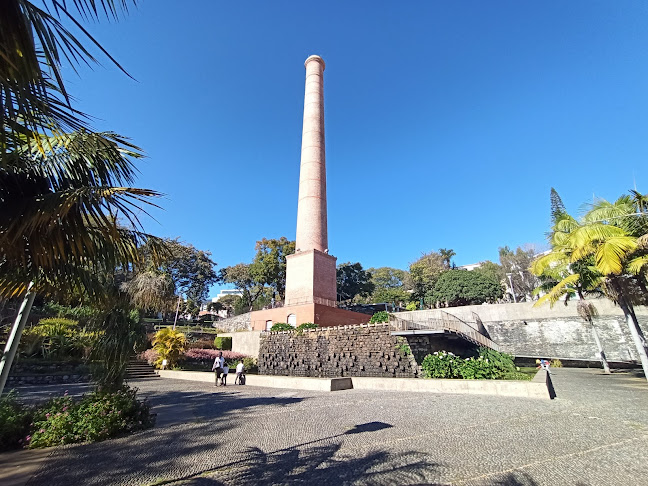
point(224, 378)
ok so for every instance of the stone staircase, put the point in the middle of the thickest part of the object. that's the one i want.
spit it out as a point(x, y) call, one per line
point(138, 369)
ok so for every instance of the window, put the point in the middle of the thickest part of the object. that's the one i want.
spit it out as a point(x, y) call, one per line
point(268, 325)
point(292, 320)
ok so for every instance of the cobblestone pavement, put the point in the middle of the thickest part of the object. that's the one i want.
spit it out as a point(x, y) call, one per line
point(594, 433)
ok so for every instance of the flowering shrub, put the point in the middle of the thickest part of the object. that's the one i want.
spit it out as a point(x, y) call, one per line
point(441, 365)
point(197, 354)
point(150, 355)
point(204, 358)
point(97, 416)
point(490, 364)
point(14, 422)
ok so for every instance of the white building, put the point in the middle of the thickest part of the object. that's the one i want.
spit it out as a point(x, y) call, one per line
point(225, 292)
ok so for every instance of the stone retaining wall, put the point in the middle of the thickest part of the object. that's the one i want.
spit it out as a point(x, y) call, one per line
point(558, 332)
point(232, 324)
point(364, 350)
point(18, 380)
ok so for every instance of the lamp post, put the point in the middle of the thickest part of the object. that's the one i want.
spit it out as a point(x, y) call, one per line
point(511, 285)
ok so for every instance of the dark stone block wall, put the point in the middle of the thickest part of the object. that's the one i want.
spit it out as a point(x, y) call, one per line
point(364, 350)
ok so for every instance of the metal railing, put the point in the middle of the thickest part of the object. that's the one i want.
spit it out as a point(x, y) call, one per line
point(442, 321)
point(307, 300)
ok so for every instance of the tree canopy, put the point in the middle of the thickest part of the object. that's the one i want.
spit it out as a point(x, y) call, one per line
point(425, 271)
point(463, 287)
point(269, 265)
point(353, 280)
point(390, 285)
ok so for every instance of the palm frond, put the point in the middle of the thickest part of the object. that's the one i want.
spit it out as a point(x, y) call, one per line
point(638, 264)
point(563, 287)
point(550, 264)
point(611, 254)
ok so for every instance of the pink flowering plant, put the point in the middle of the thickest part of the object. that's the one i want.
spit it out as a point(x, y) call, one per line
point(198, 358)
point(96, 416)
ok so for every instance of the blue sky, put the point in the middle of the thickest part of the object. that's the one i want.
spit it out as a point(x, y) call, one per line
point(447, 123)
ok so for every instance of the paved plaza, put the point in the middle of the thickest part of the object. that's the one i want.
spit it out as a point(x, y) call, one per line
point(594, 433)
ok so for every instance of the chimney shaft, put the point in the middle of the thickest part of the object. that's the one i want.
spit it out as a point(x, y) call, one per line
point(312, 230)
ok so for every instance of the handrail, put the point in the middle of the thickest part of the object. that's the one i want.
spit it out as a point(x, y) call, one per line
point(306, 300)
point(446, 322)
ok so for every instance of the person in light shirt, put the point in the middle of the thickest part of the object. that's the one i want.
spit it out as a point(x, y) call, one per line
point(219, 364)
point(240, 369)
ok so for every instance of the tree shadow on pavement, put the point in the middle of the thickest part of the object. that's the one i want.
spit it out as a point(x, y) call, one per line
point(174, 407)
point(516, 479)
point(320, 465)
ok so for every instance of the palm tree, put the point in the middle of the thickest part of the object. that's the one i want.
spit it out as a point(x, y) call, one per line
point(59, 212)
point(62, 187)
point(567, 278)
point(607, 236)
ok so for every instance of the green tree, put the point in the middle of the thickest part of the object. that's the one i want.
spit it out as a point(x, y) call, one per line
point(517, 263)
point(491, 270)
point(269, 265)
point(463, 287)
point(241, 277)
point(425, 271)
point(352, 280)
point(229, 302)
point(390, 285)
point(33, 45)
point(446, 255)
point(191, 270)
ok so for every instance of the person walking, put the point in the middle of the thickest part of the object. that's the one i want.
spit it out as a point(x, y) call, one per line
point(219, 364)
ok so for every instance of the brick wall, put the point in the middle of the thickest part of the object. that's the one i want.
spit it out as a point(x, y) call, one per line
point(363, 350)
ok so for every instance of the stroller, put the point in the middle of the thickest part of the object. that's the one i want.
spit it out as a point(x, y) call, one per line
point(241, 379)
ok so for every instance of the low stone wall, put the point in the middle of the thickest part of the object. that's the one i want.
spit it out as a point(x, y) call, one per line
point(232, 324)
point(26, 380)
point(363, 350)
point(48, 373)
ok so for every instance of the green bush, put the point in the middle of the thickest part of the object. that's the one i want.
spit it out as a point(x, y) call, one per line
point(502, 363)
point(379, 317)
point(97, 416)
point(490, 365)
point(306, 325)
point(223, 343)
point(14, 422)
point(441, 365)
point(282, 326)
point(411, 306)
